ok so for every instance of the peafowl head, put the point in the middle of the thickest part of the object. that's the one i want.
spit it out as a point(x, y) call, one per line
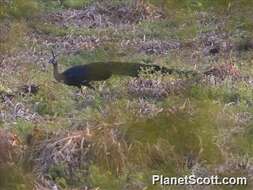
point(53, 60)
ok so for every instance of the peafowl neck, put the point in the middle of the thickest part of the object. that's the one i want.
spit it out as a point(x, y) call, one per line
point(58, 76)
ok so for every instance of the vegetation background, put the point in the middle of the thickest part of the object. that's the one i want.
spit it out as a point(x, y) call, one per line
point(116, 137)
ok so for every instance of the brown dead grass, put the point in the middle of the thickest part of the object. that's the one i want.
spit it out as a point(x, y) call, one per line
point(10, 147)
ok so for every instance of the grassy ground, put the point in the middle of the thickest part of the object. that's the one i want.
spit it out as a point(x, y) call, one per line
point(117, 136)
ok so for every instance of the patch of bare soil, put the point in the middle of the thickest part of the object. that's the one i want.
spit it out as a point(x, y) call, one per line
point(104, 14)
point(11, 62)
point(154, 88)
point(66, 44)
point(158, 47)
point(217, 40)
point(11, 111)
point(238, 164)
point(152, 47)
point(40, 55)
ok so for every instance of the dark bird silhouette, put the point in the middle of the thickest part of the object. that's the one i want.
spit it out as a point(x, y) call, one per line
point(82, 75)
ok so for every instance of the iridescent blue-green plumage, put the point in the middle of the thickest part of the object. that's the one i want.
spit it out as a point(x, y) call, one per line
point(82, 75)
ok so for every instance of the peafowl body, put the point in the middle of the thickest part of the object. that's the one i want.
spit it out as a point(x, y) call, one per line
point(82, 75)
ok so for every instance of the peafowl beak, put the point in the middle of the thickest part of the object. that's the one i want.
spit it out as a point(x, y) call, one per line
point(52, 61)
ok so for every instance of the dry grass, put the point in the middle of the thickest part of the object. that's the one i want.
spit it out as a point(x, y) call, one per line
point(9, 147)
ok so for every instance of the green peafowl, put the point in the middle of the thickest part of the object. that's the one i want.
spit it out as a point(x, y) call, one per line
point(82, 75)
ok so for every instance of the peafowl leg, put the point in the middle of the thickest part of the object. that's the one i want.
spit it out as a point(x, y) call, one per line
point(82, 92)
point(87, 84)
